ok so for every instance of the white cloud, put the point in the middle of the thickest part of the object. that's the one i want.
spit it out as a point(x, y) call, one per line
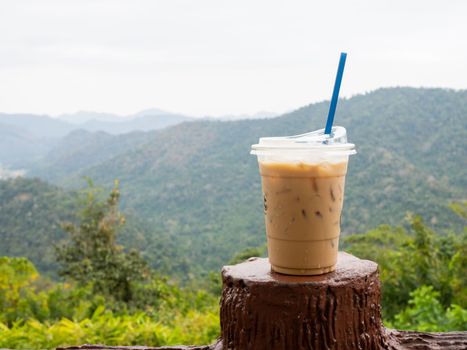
point(218, 57)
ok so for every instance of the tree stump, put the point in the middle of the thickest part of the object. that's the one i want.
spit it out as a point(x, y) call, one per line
point(261, 309)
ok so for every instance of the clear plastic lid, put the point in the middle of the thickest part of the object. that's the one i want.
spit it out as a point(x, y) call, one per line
point(315, 141)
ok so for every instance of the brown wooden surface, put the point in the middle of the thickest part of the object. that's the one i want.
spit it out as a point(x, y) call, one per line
point(397, 340)
point(105, 347)
point(410, 340)
point(264, 310)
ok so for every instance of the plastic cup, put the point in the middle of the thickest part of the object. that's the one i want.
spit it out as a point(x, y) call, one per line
point(303, 180)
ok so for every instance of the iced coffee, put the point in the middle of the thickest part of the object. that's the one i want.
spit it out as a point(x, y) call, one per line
point(303, 180)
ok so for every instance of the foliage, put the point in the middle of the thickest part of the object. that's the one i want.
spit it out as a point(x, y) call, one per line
point(92, 255)
point(31, 217)
point(24, 294)
point(414, 258)
point(42, 314)
point(425, 313)
point(16, 276)
point(105, 327)
point(384, 245)
point(460, 208)
point(113, 297)
point(194, 190)
point(193, 200)
point(36, 313)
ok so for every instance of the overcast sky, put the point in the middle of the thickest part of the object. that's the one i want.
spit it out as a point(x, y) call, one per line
point(214, 57)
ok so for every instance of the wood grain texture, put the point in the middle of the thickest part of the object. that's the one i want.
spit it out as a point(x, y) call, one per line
point(409, 340)
point(105, 347)
point(396, 340)
point(263, 310)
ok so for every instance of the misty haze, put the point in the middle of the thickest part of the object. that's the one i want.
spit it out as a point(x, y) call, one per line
point(127, 183)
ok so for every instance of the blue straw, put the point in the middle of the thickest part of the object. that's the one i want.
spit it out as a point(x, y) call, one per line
point(335, 94)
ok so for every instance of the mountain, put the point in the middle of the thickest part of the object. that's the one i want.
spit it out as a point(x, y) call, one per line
point(31, 214)
point(145, 122)
point(82, 149)
point(38, 125)
point(151, 111)
point(197, 182)
point(258, 115)
point(48, 127)
point(81, 117)
point(19, 148)
point(7, 173)
point(26, 138)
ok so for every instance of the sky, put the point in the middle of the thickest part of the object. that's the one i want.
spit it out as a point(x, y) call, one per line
point(217, 57)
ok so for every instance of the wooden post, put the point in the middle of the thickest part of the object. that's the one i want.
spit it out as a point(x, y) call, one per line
point(261, 309)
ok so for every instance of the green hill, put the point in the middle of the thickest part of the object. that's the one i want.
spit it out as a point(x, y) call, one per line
point(197, 183)
point(30, 216)
point(81, 149)
point(19, 148)
point(31, 213)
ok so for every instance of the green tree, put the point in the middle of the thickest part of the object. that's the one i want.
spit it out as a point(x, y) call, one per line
point(410, 259)
point(387, 246)
point(424, 256)
point(16, 276)
point(460, 208)
point(92, 256)
point(425, 313)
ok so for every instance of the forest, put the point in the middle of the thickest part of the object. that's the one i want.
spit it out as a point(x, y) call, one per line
point(138, 261)
point(109, 294)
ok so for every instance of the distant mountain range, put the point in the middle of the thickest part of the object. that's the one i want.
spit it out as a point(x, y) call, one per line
point(258, 115)
point(195, 186)
point(46, 126)
point(83, 117)
point(26, 138)
point(150, 119)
